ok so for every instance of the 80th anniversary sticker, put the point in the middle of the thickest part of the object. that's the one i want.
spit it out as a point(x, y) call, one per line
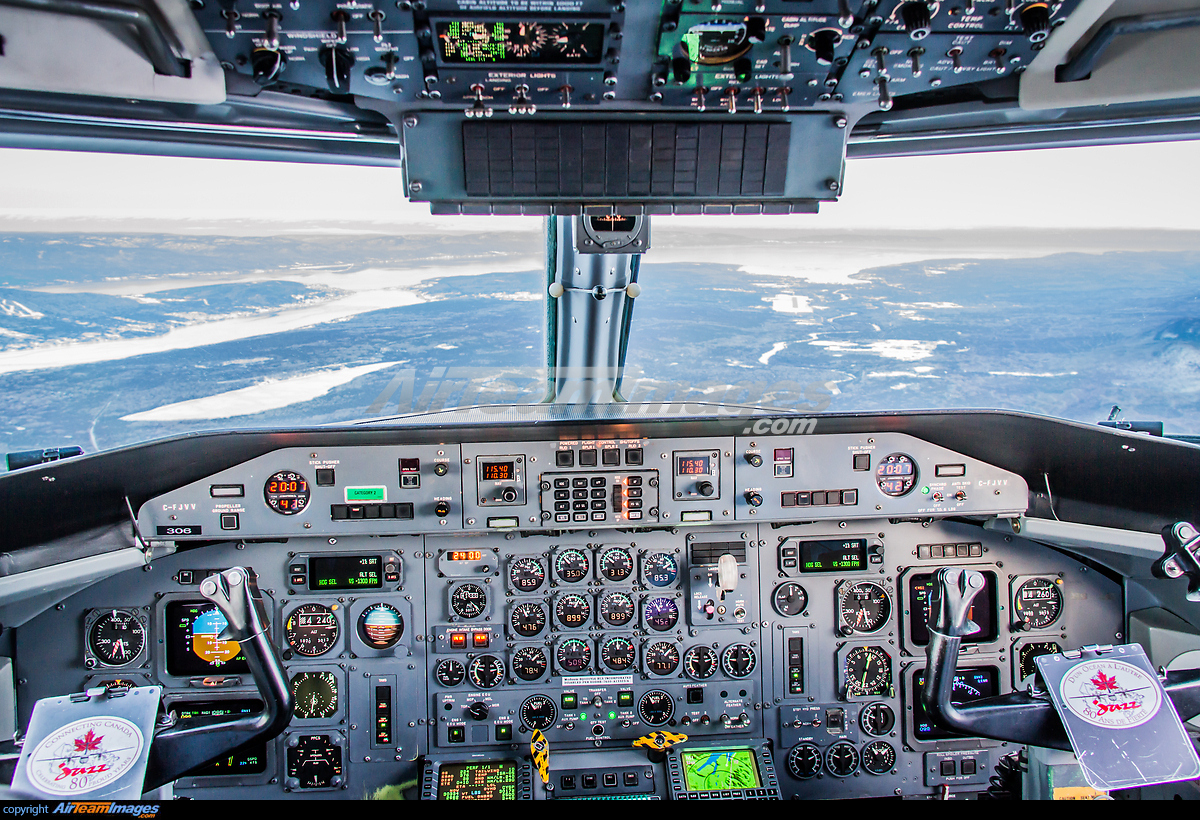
point(1110, 694)
point(85, 755)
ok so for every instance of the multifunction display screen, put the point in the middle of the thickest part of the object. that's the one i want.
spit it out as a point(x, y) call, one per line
point(969, 685)
point(194, 645)
point(718, 769)
point(247, 760)
point(834, 555)
point(345, 572)
point(508, 42)
point(982, 613)
point(478, 781)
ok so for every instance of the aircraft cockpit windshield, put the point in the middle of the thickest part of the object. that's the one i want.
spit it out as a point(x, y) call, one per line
point(746, 399)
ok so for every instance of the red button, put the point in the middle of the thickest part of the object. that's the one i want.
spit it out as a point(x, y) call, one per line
point(458, 640)
point(481, 639)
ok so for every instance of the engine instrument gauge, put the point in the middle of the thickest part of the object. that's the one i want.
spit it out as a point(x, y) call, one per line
point(526, 574)
point(896, 475)
point(117, 637)
point(616, 608)
point(1038, 603)
point(573, 655)
point(700, 662)
point(468, 600)
point(573, 610)
point(527, 619)
point(449, 672)
point(738, 661)
point(841, 759)
point(486, 671)
point(1027, 653)
point(315, 694)
point(878, 757)
point(867, 672)
point(804, 761)
point(617, 653)
point(661, 614)
point(311, 629)
point(616, 564)
point(539, 712)
point(571, 565)
point(380, 626)
point(656, 707)
point(660, 569)
point(864, 607)
point(877, 719)
point(287, 493)
point(529, 663)
point(789, 599)
point(662, 658)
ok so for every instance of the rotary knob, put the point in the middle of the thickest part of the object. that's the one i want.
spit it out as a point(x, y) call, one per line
point(441, 509)
point(705, 488)
point(754, 499)
point(478, 710)
point(509, 495)
point(915, 17)
point(754, 459)
point(1035, 21)
point(337, 62)
point(823, 44)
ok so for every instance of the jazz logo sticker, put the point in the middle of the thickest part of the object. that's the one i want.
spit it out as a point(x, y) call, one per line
point(1111, 694)
point(84, 756)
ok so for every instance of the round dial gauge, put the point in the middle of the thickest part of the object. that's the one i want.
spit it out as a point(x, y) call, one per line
point(117, 637)
point(867, 672)
point(616, 608)
point(1038, 603)
point(804, 761)
point(661, 614)
point(311, 630)
point(380, 626)
point(660, 569)
point(718, 41)
point(287, 493)
point(315, 694)
point(841, 759)
point(571, 565)
point(616, 564)
point(573, 611)
point(662, 658)
point(656, 707)
point(617, 653)
point(789, 599)
point(529, 663)
point(865, 607)
point(468, 600)
point(539, 712)
point(527, 619)
point(1027, 653)
point(486, 671)
point(878, 757)
point(700, 662)
point(573, 655)
point(449, 672)
point(877, 719)
point(526, 574)
point(896, 475)
point(738, 661)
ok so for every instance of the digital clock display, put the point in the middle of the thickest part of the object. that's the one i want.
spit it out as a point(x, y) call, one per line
point(498, 470)
point(286, 492)
point(345, 572)
point(695, 465)
point(466, 555)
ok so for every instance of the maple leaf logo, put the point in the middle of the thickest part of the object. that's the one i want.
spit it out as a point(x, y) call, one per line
point(89, 742)
point(1104, 683)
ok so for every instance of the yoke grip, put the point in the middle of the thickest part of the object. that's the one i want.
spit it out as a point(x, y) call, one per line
point(953, 592)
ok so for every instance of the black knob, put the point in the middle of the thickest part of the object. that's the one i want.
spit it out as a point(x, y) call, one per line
point(681, 69)
point(441, 468)
point(754, 499)
point(508, 494)
point(337, 62)
point(478, 710)
point(823, 44)
point(1035, 21)
point(705, 488)
point(441, 509)
point(915, 17)
point(754, 459)
point(743, 69)
point(267, 64)
point(756, 29)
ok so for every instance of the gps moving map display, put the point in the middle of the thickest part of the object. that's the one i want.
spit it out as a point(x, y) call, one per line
point(194, 645)
point(982, 612)
point(719, 769)
point(478, 781)
point(969, 685)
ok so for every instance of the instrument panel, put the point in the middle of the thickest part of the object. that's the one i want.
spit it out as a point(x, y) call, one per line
point(433, 612)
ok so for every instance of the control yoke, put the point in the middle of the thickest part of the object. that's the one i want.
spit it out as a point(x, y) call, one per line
point(191, 744)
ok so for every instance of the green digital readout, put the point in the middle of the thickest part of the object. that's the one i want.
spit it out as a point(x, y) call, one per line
point(345, 572)
point(719, 769)
point(365, 494)
point(833, 555)
point(530, 42)
point(478, 781)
